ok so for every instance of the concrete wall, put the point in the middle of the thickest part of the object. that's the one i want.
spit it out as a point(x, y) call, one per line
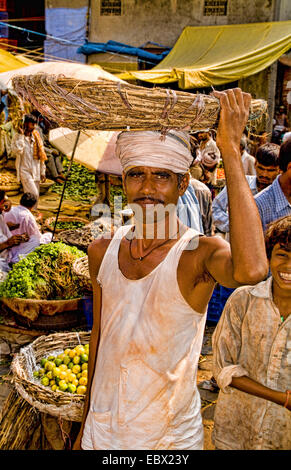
point(284, 12)
point(162, 21)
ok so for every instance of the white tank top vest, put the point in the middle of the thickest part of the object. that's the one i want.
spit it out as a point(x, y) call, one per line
point(144, 393)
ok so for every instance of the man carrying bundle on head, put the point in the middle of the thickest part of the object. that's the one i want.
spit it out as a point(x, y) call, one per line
point(151, 286)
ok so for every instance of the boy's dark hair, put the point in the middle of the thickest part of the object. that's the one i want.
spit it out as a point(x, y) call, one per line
point(268, 154)
point(285, 155)
point(2, 194)
point(30, 118)
point(278, 231)
point(28, 200)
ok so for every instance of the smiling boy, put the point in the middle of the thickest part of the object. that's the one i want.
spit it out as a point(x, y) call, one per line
point(252, 356)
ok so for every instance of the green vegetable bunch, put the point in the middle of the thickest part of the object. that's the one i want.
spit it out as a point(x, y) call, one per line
point(81, 184)
point(68, 225)
point(46, 273)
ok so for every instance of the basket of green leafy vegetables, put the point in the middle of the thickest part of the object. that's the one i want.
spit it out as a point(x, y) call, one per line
point(43, 282)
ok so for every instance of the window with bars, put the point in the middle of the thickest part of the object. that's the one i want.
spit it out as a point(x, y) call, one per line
point(215, 8)
point(110, 7)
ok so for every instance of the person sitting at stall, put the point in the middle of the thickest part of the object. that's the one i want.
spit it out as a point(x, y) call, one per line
point(251, 356)
point(7, 240)
point(21, 220)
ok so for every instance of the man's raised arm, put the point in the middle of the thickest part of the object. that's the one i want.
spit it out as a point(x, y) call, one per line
point(246, 261)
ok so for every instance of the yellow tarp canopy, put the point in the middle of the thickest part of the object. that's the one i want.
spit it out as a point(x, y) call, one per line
point(213, 55)
point(10, 62)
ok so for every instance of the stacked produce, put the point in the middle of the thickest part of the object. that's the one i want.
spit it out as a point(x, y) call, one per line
point(65, 372)
point(67, 225)
point(82, 237)
point(7, 179)
point(46, 273)
point(81, 184)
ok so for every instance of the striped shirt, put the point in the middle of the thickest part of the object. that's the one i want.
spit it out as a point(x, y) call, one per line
point(272, 203)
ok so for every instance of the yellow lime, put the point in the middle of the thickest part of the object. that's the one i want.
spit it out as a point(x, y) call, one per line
point(76, 369)
point(49, 365)
point(66, 351)
point(84, 373)
point(36, 374)
point(63, 367)
point(70, 365)
point(61, 356)
point(71, 388)
point(84, 357)
point(45, 381)
point(76, 359)
point(52, 382)
point(83, 381)
point(75, 382)
point(71, 377)
point(54, 387)
point(56, 372)
point(84, 366)
point(81, 389)
point(63, 375)
point(43, 361)
point(41, 372)
point(58, 361)
point(72, 353)
point(80, 350)
point(49, 375)
point(63, 386)
point(51, 358)
point(66, 360)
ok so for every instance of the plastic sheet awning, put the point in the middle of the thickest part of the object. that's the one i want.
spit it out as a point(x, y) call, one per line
point(120, 48)
point(214, 55)
point(10, 62)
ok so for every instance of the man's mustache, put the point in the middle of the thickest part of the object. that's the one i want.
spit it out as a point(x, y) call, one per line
point(148, 198)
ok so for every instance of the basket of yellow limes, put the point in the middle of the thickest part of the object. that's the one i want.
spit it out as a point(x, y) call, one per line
point(51, 373)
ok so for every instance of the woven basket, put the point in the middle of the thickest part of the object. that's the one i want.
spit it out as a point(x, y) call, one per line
point(110, 105)
point(44, 187)
point(65, 405)
point(81, 269)
point(10, 187)
point(49, 223)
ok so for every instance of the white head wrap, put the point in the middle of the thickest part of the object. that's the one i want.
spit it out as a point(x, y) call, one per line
point(151, 148)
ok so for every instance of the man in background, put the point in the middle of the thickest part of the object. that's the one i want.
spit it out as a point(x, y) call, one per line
point(267, 169)
point(30, 156)
point(274, 201)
